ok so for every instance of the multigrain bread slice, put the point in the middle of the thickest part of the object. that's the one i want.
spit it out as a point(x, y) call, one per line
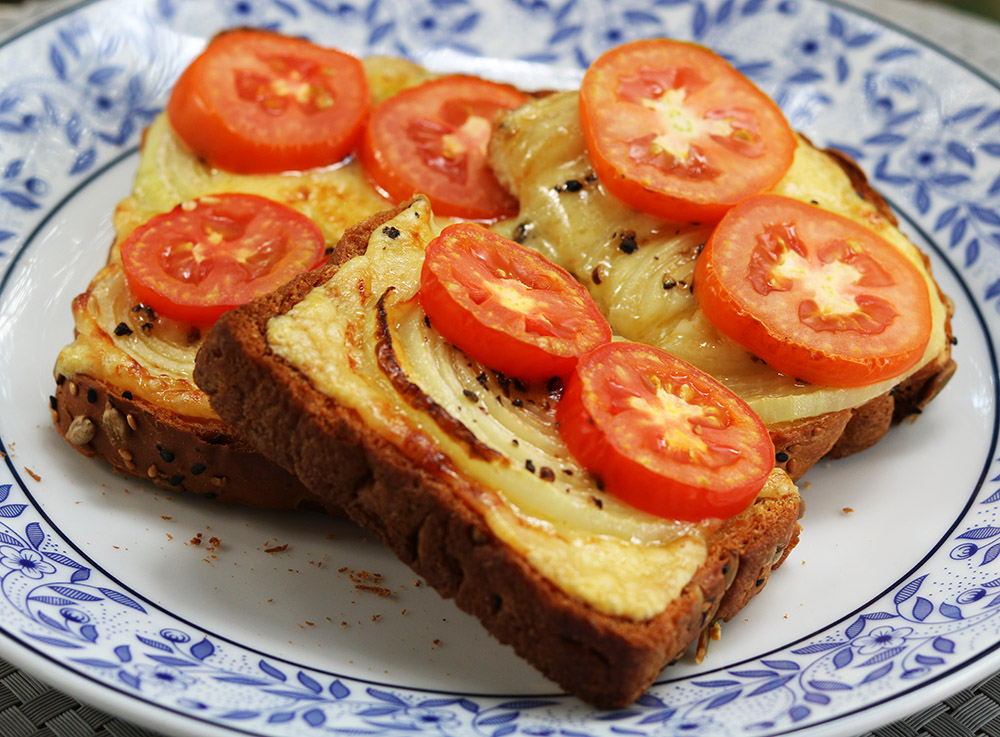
point(639, 269)
point(334, 377)
point(124, 391)
point(130, 404)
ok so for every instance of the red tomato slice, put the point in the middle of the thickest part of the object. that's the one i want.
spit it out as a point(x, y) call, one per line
point(817, 296)
point(256, 102)
point(209, 255)
point(662, 435)
point(507, 306)
point(673, 130)
point(432, 139)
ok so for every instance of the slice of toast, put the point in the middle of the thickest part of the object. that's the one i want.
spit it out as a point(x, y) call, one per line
point(339, 377)
point(639, 269)
point(124, 390)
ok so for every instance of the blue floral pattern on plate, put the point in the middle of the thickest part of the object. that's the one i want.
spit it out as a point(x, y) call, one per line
point(75, 94)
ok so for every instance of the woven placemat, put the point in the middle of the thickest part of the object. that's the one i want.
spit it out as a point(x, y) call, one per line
point(31, 708)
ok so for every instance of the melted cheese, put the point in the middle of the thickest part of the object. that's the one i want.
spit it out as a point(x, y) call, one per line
point(639, 268)
point(543, 503)
point(156, 364)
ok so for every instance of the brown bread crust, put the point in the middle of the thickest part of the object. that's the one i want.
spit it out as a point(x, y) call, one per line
point(432, 526)
point(200, 456)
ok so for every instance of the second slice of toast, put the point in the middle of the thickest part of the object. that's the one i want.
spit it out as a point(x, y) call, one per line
point(339, 377)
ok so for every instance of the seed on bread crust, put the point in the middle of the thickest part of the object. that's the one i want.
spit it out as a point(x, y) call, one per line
point(115, 426)
point(81, 430)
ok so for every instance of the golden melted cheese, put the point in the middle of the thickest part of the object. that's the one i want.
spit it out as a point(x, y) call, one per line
point(639, 268)
point(156, 363)
point(544, 503)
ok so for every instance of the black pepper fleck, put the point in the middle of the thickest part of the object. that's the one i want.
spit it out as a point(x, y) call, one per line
point(391, 232)
point(529, 465)
point(470, 395)
point(570, 185)
point(122, 329)
point(521, 232)
point(628, 244)
point(598, 502)
point(517, 402)
point(427, 320)
point(146, 327)
point(669, 283)
point(546, 474)
point(482, 379)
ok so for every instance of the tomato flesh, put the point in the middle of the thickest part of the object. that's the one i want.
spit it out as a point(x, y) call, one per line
point(507, 306)
point(815, 295)
point(662, 435)
point(256, 102)
point(209, 255)
point(672, 129)
point(432, 139)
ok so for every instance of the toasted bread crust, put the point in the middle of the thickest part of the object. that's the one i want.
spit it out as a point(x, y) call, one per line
point(432, 526)
point(194, 455)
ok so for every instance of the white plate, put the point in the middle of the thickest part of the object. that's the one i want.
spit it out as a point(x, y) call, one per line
point(878, 611)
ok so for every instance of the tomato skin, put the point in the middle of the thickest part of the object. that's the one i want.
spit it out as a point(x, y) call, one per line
point(694, 452)
point(884, 323)
point(255, 102)
point(733, 141)
point(210, 255)
point(432, 139)
point(507, 306)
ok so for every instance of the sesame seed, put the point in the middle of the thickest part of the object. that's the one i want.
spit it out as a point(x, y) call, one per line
point(130, 419)
point(92, 395)
point(73, 388)
point(197, 469)
point(165, 454)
